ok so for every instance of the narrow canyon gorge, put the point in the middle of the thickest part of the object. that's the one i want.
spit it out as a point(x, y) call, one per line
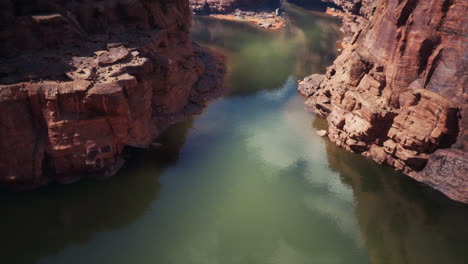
point(82, 80)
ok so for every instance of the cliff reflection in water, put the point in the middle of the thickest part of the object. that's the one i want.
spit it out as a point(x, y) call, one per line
point(401, 220)
point(260, 59)
point(44, 222)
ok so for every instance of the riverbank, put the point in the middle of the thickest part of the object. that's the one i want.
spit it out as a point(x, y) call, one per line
point(267, 20)
point(263, 19)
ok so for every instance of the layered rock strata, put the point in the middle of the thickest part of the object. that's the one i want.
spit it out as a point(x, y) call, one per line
point(81, 80)
point(397, 94)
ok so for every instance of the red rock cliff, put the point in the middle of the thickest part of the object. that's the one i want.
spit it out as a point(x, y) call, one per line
point(81, 80)
point(397, 93)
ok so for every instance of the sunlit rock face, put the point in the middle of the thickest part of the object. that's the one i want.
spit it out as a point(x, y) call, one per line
point(226, 6)
point(397, 93)
point(79, 81)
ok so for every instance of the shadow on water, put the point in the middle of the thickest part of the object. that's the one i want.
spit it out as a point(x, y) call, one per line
point(43, 222)
point(259, 59)
point(401, 221)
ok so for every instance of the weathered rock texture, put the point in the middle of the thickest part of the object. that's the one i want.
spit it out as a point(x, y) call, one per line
point(81, 80)
point(397, 94)
point(228, 6)
point(356, 13)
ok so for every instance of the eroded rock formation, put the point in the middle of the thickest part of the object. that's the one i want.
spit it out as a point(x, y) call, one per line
point(81, 80)
point(397, 93)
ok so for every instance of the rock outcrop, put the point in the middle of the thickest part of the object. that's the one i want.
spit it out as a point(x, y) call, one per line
point(356, 13)
point(229, 6)
point(81, 80)
point(397, 93)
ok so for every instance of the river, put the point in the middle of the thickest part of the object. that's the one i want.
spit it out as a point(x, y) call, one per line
point(246, 182)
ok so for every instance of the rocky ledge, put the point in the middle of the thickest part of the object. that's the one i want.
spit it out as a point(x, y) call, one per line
point(262, 13)
point(397, 93)
point(230, 6)
point(82, 80)
point(262, 19)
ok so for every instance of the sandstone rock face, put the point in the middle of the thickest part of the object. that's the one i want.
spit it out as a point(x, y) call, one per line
point(81, 80)
point(227, 6)
point(397, 93)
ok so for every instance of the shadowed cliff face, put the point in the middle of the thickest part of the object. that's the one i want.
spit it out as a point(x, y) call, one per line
point(80, 80)
point(397, 93)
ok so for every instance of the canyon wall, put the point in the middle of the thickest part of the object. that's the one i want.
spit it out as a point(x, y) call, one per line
point(227, 6)
point(397, 93)
point(82, 80)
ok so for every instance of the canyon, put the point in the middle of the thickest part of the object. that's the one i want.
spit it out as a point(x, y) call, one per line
point(81, 81)
point(248, 178)
point(397, 93)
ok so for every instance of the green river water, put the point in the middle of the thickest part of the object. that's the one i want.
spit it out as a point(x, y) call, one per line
point(246, 182)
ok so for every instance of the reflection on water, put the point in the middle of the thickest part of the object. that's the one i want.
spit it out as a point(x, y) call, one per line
point(248, 181)
point(262, 59)
point(400, 220)
point(43, 222)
